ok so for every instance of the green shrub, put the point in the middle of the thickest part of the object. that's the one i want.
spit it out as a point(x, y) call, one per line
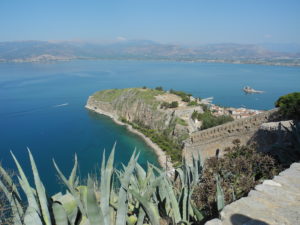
point(204, 107)
point(181, 121)
point(184, 96)
point(164, 105)
point(159, 88)
point(289, 106)
point(173, 104)
point(209, 120)
point(162, 139)
point(240, 170)
point(123, 120)
point(192, 103)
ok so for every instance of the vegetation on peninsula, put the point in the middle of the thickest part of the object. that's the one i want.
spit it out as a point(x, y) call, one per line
point(124, 99)
point(209, 120)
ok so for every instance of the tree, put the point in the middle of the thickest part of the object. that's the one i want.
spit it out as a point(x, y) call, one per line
point(159, 88)
point(289, 106)
point(174, 104)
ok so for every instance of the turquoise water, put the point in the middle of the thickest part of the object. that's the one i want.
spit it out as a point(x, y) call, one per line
point(31, 92)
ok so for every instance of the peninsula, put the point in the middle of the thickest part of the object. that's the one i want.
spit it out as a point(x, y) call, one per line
point(165, 119)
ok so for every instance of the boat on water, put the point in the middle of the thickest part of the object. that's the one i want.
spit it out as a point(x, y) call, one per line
point(250, 90)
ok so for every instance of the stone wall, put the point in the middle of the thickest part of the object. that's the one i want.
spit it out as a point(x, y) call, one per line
point(208, 141)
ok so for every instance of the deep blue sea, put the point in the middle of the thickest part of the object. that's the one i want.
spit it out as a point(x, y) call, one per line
point(32, 114)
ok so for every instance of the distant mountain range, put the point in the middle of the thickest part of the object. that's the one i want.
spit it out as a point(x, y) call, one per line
point(34, 51)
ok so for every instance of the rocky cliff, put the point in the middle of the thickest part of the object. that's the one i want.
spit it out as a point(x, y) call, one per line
point(141, 107)
point(133, 105)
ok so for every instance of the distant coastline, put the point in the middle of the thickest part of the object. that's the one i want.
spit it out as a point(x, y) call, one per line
point(225, 61)
point(46, 51)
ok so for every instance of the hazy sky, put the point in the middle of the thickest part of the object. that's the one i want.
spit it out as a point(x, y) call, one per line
point(167, 21)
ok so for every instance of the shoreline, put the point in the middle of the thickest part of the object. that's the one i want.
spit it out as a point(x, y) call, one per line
point(223, 61)
point(161, 156)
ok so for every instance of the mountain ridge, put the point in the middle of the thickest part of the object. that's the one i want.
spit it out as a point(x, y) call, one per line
point(35, 51)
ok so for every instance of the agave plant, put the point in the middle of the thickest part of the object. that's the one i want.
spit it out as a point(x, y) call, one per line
point(132, 196)
point(220, 199)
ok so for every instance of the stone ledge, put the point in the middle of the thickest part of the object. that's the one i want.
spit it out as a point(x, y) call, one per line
point(274, 202)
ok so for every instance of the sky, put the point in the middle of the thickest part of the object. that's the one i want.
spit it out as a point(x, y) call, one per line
point(165, 21)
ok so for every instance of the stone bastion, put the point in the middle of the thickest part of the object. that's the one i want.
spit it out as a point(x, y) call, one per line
point(210, 141)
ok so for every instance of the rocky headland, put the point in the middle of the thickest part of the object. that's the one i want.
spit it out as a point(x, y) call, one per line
point(169, 121)
point(148, 113)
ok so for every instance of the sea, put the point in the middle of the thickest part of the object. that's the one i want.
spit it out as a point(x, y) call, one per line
point(42, 107)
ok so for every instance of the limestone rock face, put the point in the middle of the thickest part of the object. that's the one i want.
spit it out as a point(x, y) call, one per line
point(141, 107)
point(131, 108)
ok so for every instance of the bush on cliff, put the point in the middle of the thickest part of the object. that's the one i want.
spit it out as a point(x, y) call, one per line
point(160, 88)
point(174, 104)
point(209, 120)
point(240, 170)
point(184, 96)
point(289, 106)
point(166, 105)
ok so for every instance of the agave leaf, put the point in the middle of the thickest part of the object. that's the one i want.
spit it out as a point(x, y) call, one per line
point(40, 191)
point(220, 194)
point(17, 212)
point(26, 187)
point(141, 175)
point(9, 181)
point(72, 177)
point(60, 214)
point(158, 170)
point(76, 182)
point(83, 195)
point(94, 213)
point(84, 221)
point(32, 217)
point(102, 165)
point(122, 206)
point(164, 200)
point(148, 207)
point(105, 185)
point(184, 204)
point(145, 200)
point(71, 189)
point(152, 187)
point(141, 216)
point(198, 214)
point(180, 173)
point(173, 201)
point(69, 204)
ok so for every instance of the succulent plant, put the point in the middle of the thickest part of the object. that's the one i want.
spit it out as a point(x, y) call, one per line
point(139, 197)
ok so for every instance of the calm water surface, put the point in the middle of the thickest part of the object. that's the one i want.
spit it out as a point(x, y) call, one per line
point(32, 114)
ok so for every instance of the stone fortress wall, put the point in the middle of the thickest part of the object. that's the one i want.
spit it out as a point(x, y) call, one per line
point(208, 141)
